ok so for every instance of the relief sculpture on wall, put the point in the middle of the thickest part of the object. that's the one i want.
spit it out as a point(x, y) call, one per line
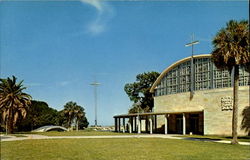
point(227, 103)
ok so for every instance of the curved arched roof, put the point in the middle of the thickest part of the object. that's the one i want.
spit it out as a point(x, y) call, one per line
point(49, 128)
point(158, 80)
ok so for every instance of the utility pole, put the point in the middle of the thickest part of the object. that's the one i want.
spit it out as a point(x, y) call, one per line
point(95, 84)
point(192, 43)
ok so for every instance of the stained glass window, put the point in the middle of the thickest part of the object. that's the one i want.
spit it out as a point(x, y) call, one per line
point(206, 76)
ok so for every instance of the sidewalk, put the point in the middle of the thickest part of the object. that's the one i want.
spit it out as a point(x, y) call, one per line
point(35, 136)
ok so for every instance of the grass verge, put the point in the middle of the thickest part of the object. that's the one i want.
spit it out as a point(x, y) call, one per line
point(122, 149)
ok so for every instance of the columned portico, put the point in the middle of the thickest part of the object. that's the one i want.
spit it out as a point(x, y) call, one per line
point(184, 122)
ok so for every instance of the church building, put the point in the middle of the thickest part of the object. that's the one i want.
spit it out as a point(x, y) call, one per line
point(192, 96)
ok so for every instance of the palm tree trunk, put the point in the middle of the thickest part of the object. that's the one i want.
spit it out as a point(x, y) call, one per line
point(10, 128)
point(235, 105)
point(10, 124)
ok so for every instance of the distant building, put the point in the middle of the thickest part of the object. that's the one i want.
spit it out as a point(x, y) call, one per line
point(50, 128)
point(198, 104)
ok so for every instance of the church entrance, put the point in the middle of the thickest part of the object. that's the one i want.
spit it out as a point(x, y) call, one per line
point(179, 124)
point(194, 123)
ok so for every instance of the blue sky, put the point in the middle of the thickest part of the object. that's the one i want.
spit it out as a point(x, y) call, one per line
point(59, 47)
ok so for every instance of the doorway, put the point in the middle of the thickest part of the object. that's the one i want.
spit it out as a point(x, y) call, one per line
point(179, 124)
point(194, 123)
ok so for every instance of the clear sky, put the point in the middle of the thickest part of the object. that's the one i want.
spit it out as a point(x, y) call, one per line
point(59, 47)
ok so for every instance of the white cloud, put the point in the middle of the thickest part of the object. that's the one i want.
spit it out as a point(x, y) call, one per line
point(95, 3)
point(96, 27)
point(63, 83)
point(104, 14)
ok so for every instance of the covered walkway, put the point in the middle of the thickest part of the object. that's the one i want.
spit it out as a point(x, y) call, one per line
point(174, 122)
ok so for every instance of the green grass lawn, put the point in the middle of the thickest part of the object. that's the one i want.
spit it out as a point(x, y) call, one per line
point(122, 149)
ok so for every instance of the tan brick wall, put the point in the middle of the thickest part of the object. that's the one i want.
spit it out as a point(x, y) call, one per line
point(216, 121)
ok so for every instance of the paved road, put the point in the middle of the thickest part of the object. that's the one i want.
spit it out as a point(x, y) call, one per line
point(35, 136)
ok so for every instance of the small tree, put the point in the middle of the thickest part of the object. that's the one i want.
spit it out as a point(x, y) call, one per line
point(74, 113)
point(39, 114)
point(139, 91)
point(231, 49)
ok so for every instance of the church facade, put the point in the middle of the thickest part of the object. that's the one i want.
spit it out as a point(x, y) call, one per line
point(207, 108)
point(192, 96)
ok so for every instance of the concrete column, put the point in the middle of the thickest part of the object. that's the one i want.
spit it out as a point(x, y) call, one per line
point(115, 124)
point(184, 124)
point(139, 125)
point(166, 124)
point(147, 124)
point(131, 123)
point(123, 125)
point(150, 125)
point(155, 123)
point(135, 124)
point(119, 124)
point(129, 127)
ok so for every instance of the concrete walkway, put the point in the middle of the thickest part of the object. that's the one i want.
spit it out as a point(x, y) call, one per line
point(36, 136)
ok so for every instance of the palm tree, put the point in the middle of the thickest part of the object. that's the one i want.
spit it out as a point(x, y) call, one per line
point(13, 102)
point(73, 112)
point(231, 50)
point(78, 115)
point(69, 112)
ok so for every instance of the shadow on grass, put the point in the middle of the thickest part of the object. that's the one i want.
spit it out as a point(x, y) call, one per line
point(242, 137)
point(203, 139)
point(215, 138)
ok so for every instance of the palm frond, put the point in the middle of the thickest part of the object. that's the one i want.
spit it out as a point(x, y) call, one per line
point(231, 45)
